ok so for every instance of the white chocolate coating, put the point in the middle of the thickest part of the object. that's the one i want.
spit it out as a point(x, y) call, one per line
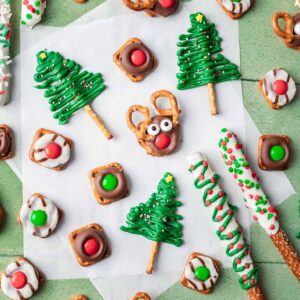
point(297, 28)
point(237, 7)
point(268, 81)
point(32, 17)
point(40, 155)
point(5, 61)
point(255, 198)
point(39, 203)
point(29, 289)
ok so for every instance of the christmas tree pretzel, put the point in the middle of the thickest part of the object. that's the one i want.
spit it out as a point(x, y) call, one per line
point(68, 88)
point(156, 219)
point(255, 198)
point(227, 228)
point(199, 60)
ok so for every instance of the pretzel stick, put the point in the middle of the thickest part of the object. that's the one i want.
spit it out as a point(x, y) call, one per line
point(255, 198)
point(227, 228)
point(98, 121)
point(212, 99)
point(154, 251)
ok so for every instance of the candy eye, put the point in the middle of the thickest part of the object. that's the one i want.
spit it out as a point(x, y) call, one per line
point(166, 125)
point(153, 129)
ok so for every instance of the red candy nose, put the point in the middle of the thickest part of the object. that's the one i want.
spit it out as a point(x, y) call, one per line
point(138, 58)
point(18, 280)
point(162, 141)
point(53, 150)
point(280, 87)
point(167, 3)
point(91, 247)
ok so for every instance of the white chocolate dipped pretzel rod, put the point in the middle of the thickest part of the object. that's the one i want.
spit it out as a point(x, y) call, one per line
point(255, 198)
point(228, 230)
point(32, 12)
point(5, 61)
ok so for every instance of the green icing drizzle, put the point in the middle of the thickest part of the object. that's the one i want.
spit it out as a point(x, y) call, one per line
point(67, 87)
point(224, 217)
point(156, 219)
point(199, 60)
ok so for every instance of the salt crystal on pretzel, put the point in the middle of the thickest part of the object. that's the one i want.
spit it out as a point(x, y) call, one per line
point(255, 198)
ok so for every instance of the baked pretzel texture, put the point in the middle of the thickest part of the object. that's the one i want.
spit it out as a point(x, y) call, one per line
point(79, 297)
point(290, 31)
point(139, 4)
point(141, 296)
point(149, 141)
point(8, 132)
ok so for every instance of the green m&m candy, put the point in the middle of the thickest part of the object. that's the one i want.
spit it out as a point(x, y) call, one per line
point(202, 273)
point(277, 153)
point(109, 182)
point(38, 218)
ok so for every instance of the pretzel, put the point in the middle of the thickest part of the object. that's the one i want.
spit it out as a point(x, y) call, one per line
point(150, 142)
point(141, 296)
point(79, 297)
point(290, 33)
point(139, 5)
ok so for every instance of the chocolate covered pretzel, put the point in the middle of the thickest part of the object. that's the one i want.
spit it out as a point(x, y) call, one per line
point(235, 9)
point(6, 142)
point(135, 59)
point(89, 244)
point(159, 135)
point(290, 32)
point(141, 296)
point(109, 183)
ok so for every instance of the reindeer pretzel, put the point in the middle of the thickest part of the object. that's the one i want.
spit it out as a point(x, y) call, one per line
point(291, 31)
point(139, 4)
point(159, 134)
point(141, 296)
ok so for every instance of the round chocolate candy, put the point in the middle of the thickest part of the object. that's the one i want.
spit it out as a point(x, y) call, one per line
point(53, 150)
point(91, 246)
point(165, 7)
point(202, 273)
point(38, 218)
point(138, 57)
point(109, 182)
point(277, 152)
point(280, 87)
point(18, 280)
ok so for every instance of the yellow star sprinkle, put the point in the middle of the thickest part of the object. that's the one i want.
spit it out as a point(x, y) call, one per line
point(199, 18)
point(169, 178)
point(43, 55)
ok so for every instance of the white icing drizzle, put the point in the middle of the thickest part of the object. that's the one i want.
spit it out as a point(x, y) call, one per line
point(32, 12)
point(237, 7)
point(40, 155)
point(196, 262)
point(253, 196)
point(37, 203)
point(5, 61)
point(29, 289)
point(270, 78)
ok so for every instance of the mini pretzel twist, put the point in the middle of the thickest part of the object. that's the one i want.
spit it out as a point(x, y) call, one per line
point(141, 129)
point(173, 111)
point(287, 33)
point(141, 296)
point(139, 4)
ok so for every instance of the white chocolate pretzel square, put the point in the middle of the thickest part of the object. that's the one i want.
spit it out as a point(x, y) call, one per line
point(39, 216)
point(20, 280)
point(235, 9)
point(201, 273)
point(50, 149)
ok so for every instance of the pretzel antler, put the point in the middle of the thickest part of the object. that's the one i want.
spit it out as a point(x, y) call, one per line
point(139, 4)
point(173, 111)
point(287, 34)
point(140, 130)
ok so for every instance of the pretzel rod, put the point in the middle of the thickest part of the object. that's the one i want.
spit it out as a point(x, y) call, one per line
point(255, 198)
point(212, 99)
point(228, 230)
point(5, 60)
point(151, 263)
point(98, 121)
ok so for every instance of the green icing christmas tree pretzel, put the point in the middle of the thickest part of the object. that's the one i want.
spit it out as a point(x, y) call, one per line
point(67, 87)
point(199, 60)
point(156, 219)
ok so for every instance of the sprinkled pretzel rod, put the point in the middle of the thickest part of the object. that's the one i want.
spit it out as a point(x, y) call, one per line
point(5, 61)
point(255, 198)
point(227, 229)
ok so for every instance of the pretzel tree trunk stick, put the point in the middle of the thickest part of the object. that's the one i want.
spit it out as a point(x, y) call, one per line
point(255, 198)
point(98, 121)
point(153, 255)
point(228, 230)
point(212, 99)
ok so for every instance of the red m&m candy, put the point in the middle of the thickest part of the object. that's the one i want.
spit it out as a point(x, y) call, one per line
point(138, 57)
point(18, 280)
point(91, 246)
point(167, 3)
point(53, 150)
point(280, 87)
point(162, 141)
